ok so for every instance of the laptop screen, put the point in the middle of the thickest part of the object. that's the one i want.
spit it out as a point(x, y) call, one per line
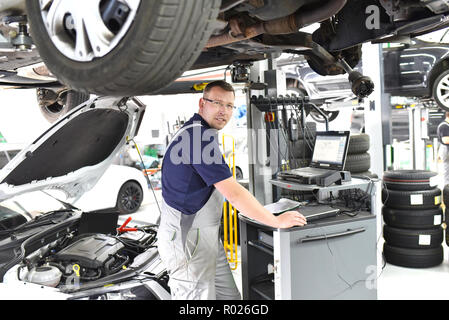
point(99, 221)
point(330, 149)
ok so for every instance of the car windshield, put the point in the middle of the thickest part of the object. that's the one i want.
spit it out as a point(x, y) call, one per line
point(6, 156)
point(445, 37)
point(30, 205)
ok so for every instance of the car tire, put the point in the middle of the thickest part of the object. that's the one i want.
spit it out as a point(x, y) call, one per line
point(238, 173)
point(412, 219)
point(413, 258)
point(331, 115)
point(356, 163)
point(129, 198)
point(413, 238)
point(310, 131)
point(301, 147)
point(409, 180)
point(164, 39)
point(441, 87)
point(358, 143)
point(365, 175)
point(423, 199)
point(300, 162)
point(53, 109)
point(296, 87)
point(446, 196)
point(446, 221)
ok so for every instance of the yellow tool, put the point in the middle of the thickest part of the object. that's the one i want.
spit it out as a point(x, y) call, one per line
point(200, 86)
point(76, 269)
point(230, 214)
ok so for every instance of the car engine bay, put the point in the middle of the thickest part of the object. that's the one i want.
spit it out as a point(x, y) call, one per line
point(75, 260)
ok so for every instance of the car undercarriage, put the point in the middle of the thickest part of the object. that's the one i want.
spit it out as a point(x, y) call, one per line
point(235, 31)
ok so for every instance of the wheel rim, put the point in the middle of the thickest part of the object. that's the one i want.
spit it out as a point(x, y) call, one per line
point(238, 174)
point(85, 32)
point(443, 91)
point(319, 118)
point(51, 106)
point(131, 197)
point(54, 108)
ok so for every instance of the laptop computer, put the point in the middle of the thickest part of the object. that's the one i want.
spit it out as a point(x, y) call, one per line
point(317, 212)
point(329, 155)
point(312, 213)
point(99, 221)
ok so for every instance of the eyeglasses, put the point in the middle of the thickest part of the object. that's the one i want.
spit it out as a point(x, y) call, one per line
point(217, 103)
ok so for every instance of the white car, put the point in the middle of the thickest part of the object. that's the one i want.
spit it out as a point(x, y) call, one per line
point(9, 151)
point(242, 163)
point(51, 250)
point(121, 187)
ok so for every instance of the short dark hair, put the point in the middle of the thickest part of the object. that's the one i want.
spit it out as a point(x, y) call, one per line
point(219, 83)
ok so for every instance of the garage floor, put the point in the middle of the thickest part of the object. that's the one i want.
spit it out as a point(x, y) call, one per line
point(414, 284)
point(394, 283)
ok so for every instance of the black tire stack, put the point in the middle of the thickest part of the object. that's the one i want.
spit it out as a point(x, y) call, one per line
point(412, 215)
point(358, 160)
point(446, 213)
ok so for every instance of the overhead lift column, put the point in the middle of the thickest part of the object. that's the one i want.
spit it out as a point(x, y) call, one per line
point(263, 144)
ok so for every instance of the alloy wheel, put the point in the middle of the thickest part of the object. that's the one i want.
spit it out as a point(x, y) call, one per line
point(90, 29)
point(442, 91)
point(131, 197)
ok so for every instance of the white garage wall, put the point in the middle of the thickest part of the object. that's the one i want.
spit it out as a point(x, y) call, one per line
point(161, 109)
point(22, 122)
point(20, 118)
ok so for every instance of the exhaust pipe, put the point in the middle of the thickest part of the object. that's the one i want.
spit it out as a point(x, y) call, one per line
point(286, 25)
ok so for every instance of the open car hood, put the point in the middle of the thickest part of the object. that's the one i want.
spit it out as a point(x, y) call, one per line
point(74, 153)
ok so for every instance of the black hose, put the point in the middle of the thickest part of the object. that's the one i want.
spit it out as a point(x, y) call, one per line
point(19, 257)
point(111, 271)
point(96, 277)
point(25, 243)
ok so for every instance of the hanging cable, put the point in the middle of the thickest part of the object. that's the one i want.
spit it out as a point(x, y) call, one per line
point(146, 175)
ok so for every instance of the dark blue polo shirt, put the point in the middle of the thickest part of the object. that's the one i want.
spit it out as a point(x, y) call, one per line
point(443, 131)
point(192, 164)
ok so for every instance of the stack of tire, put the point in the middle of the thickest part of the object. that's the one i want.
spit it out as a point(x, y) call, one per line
point(446, 212)
point(358, 160)
point(412, 214)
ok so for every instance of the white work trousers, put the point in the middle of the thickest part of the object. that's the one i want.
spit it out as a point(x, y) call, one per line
point(190, 249)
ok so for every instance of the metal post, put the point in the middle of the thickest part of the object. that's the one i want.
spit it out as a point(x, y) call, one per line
point(264, 140)
point(412, 136)
point(257, 144)
point(377, 106)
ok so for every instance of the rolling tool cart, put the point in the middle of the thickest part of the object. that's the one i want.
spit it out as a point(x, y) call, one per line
point(331, 258)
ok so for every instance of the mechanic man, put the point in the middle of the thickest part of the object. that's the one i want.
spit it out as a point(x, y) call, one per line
point(443, 151)
point(195, 178)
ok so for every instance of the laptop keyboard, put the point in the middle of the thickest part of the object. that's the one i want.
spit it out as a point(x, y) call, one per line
point(311, 171)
